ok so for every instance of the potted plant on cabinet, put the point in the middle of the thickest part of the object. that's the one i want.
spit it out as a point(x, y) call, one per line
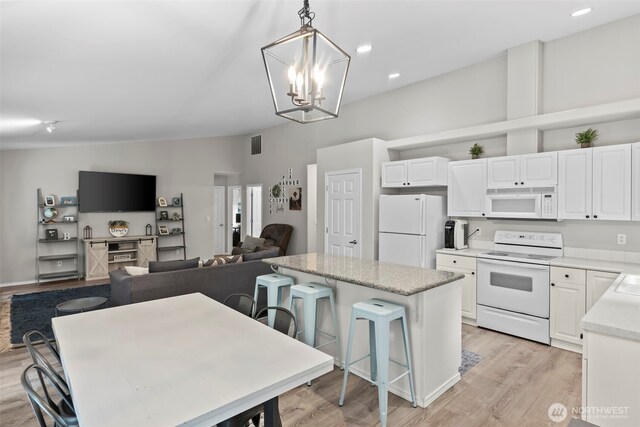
point(118, 228)
point(586, 138)
point(476, 151)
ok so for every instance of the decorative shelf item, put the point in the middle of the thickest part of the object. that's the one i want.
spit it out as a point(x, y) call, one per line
point(118, 228)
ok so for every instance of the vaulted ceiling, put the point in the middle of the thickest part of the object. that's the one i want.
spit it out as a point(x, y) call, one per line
point(115, 71)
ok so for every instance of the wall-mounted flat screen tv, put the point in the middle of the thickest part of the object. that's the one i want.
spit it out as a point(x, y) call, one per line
point(116, 192)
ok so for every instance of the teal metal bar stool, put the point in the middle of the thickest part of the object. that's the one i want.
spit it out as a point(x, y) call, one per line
point(310, 294)
point(274, 283)
point(380, 314)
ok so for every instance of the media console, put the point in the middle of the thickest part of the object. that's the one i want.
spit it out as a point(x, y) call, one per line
point(102, 255)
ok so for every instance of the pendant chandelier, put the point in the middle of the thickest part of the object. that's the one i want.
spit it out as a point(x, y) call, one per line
point(306, 73)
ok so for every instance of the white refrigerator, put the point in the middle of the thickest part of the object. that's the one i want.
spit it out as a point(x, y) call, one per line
point(411, 229)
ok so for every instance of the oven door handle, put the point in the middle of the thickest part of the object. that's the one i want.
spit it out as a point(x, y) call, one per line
point(513, 264)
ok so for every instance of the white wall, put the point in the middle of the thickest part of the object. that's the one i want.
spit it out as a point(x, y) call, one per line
point(180, 166)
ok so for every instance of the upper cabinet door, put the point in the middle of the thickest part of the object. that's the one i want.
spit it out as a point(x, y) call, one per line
point(635, 182)
point(467, 188)
point(574, 184)
point(612, 182)
point(503, 172)
point(394, 174)
point(539, 170)
point(430, 171)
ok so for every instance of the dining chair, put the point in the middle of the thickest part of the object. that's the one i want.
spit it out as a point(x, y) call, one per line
point(32, 340)
point(44, 407)
point(284, 322)
point(242, 303)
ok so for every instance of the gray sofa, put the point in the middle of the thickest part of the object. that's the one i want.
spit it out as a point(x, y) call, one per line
point(217, 282)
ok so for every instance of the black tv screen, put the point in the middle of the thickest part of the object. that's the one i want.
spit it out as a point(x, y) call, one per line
point(116, 192)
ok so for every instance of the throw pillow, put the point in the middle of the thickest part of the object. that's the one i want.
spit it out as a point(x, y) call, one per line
point(226, 259)
point(136, 271)
point(251, 242)
point(160, 266)
point(207, 262)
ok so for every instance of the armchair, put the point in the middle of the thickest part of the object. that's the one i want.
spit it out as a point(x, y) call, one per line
point(274, 235)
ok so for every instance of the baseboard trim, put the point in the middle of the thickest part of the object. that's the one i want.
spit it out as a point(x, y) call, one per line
point(566, 346)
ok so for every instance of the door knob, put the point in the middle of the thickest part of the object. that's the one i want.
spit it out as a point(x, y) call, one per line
point(354, 242)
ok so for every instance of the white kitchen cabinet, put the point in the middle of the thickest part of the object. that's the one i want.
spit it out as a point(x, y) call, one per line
point(597, 283)
point(424, 172)
point(611, 375)
point(635, 181)
point(539, 170)
point(527, 170)
point(567, 306)
point(394, 174)
point(612, 182)
point(575, 184)
point(467, 266)
point(503, 172)
point(466, 190)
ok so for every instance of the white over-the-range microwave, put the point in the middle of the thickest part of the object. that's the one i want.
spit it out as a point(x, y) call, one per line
point(522, 203)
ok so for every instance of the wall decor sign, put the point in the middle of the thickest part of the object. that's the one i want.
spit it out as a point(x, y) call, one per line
point(162, 201)
point(295, 198)
point(68, 218)
point(69, 200)
point(281, 192)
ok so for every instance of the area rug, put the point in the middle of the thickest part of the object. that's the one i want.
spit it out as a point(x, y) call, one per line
point(469, 360)
point(34, 311)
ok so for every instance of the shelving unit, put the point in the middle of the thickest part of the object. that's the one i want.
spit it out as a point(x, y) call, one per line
point(60, 251)
point(172, 238)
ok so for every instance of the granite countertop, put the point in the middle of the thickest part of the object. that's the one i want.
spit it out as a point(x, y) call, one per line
point(394, 278)
point(470, 252)
point(615, 314)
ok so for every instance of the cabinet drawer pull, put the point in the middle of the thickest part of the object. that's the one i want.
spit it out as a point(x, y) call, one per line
point(553, 284)
point(454, 261)
point(473, 273)
point(566, 275)
point(515, 183)
point(581, 336)
point(587, 216)
point(595, 216)
point(522, 183)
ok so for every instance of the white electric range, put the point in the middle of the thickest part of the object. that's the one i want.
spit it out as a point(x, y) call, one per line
point(513, 283)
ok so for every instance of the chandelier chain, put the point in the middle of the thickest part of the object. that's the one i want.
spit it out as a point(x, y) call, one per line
point(305, 13)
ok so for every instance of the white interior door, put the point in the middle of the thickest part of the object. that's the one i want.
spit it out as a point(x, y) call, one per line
point(219, 220)
point(343, 213)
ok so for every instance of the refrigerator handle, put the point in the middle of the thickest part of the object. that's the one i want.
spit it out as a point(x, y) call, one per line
point(423, 216)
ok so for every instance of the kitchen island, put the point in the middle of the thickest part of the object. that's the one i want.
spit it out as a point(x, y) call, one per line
point(432, 300)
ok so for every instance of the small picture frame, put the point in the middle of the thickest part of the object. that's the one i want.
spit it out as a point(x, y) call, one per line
point(177, 201)
point(49, 200)
point(69, 218)
point(52, 234)
point(68, 200)
point(162, 202)
point(163, 230)
point(164, 215)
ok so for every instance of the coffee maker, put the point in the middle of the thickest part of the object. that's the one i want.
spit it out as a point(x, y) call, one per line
point(455, 234)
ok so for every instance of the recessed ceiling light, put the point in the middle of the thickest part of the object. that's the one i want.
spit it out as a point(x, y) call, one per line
point(394, 75)
point(581, 12)
point(364, 48)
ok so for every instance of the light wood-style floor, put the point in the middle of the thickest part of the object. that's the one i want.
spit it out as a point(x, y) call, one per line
point(513, 385)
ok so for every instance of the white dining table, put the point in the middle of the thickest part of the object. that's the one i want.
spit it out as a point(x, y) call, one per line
point(186, 360)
